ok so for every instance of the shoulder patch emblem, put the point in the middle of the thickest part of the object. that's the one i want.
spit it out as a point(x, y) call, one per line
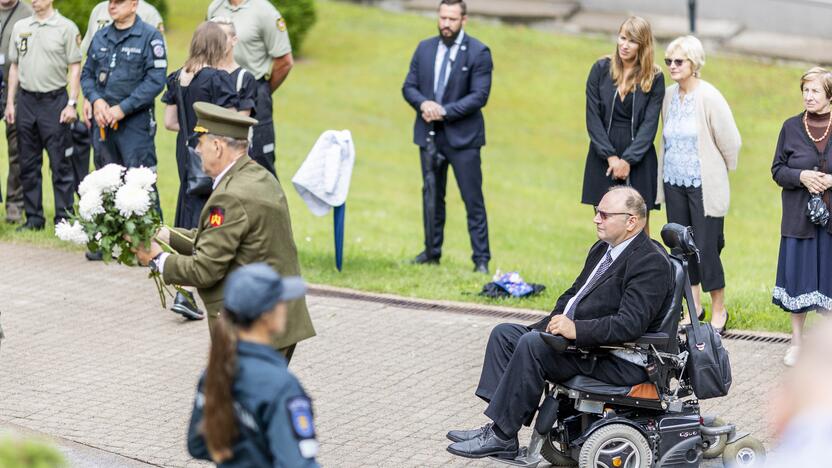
point(216, 217)
point(102, 23)
point(159, 51)
point(161, 27)
point(281, 24)
point(300, 412)
point(78, 39)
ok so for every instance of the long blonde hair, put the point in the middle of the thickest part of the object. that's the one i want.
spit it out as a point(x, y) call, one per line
point(638, 30)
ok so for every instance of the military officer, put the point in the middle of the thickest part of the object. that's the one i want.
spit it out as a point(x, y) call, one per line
point(247, 379)
point(245, 220)
point(125, 70)
point(11, 11)
point(45, 47)
point(264, 50)
point(99, 19)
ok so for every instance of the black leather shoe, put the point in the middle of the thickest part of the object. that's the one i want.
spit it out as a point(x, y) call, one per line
point(459, 436)
point(94, 256)
point(29, 227)
point(424, 259)
point(481, 267)
point(487, 444)
point(185, 305)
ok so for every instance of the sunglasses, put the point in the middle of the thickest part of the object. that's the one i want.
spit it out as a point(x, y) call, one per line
point(604, 214)
point(677, 62)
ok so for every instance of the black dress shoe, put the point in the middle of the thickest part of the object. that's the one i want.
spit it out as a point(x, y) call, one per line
point(424, 259)
point(481, 267)
point(487, 444)
point(94, 256)
point(459, 436)
point(185, 305)
point(29, 227)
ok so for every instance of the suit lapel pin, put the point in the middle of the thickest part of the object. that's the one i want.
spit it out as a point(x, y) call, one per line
point(464, 68)
point(464, 47)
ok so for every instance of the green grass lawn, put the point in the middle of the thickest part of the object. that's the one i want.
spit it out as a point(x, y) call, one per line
point(350, 78)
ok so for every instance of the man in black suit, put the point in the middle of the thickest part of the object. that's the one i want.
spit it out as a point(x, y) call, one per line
point(448, 85)
point(625, 284)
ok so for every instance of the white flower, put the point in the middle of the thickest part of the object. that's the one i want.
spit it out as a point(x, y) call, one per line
point(71, 232)
point(90, 205)
point(132, 200)
point(109, 177)
point(116, 251)
point(140, 177)
point(98, 236)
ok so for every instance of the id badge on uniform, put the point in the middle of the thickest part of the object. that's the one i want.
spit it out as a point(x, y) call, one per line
point(103, 76)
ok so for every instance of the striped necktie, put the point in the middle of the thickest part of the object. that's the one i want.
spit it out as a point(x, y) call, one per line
point(602, 268)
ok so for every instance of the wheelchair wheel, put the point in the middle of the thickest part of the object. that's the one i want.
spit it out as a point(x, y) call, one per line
point(747, 451)
point(617, 445)
point(716, 444)
point(553, 455)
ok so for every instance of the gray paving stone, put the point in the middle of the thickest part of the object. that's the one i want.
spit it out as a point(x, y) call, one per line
point(664, 27)
point(91, 357)
point(781, 46)
point(515, 10)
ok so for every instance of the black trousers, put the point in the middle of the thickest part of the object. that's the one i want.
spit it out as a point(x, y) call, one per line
point(38, 127)
point(262, 147)
point(517, 365)
point(685, 207)
point(14, 188)
point(468, 174)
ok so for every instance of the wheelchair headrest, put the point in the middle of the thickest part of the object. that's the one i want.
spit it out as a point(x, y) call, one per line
point(679, 238)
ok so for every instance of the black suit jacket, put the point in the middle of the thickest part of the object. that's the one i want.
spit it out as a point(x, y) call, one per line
point(628, 300)
point(466, 93)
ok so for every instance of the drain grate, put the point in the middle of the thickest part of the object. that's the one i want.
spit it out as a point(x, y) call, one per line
point(486, 311)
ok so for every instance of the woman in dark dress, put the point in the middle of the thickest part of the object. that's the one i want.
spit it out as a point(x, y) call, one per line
point(200, 80)
point(802, 168)
point(624, 96)
point(244, 81)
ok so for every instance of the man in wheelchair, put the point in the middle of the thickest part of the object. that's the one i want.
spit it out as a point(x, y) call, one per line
point(623, 291)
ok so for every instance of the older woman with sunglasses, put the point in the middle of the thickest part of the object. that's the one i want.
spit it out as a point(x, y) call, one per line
point(700, 144)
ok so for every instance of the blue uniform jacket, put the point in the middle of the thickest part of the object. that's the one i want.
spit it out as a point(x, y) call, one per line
point(466, 93)
point(274, 415)
point(129, 72)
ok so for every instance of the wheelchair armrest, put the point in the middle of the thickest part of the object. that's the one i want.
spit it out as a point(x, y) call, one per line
point(557, 342)
point(654, 339)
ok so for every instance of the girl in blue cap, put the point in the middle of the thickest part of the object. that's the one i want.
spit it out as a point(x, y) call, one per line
point(250, 411)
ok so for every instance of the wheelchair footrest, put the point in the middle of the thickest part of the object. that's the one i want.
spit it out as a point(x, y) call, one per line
point(522, 459)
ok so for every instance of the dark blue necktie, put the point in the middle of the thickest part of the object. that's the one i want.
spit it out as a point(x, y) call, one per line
point(602, 268)
point(443, 72)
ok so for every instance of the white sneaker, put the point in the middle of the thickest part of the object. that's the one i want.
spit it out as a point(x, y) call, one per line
point(791, 356)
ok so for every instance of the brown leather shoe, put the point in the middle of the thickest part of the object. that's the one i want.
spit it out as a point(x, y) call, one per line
point(14, 214)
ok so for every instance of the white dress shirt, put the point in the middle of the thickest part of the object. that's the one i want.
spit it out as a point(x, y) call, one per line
point(440, 55)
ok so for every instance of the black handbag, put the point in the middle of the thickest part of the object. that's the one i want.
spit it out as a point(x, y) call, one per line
point(199, 184)
point(708, 366)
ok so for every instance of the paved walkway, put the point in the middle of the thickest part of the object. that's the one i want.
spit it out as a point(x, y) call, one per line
point(92, 359)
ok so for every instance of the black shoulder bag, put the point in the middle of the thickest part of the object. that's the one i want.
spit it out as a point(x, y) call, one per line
point(708, 366)
point(199, 184)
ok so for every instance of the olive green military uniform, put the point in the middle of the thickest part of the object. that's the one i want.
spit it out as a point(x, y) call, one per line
point(245, 220)
point(100, 17)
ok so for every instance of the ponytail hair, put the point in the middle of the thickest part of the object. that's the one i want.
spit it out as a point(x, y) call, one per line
point(219, 424)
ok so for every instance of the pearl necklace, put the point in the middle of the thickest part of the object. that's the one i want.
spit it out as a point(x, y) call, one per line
point(806, 126)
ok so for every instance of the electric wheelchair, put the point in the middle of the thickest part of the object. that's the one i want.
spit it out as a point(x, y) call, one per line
point(591, 424)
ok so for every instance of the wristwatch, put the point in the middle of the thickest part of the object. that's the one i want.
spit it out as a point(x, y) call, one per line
point(71, 103)
point(154, 263)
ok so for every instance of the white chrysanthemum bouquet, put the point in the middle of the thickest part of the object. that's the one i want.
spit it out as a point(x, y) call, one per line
point(116, 214)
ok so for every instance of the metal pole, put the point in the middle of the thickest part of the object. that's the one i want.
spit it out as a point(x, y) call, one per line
point(692, 15)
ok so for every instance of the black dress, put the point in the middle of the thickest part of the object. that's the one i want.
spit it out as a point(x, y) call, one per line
point(208, 85)
point(246, 87)
point(622, 128)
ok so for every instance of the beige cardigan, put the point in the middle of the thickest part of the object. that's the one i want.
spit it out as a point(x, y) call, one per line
point(719, 147)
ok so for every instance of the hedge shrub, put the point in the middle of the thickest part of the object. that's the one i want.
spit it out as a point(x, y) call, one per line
point(300, 17)
point(29, 454)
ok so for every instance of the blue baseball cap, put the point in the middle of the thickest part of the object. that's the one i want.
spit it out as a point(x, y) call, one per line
point(254, 289)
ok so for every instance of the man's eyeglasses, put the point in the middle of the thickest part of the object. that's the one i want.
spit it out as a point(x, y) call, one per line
point(604, 214)
point(677, 62)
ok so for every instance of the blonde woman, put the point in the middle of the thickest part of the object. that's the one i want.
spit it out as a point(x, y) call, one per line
point(801, 167)
point(623, 100)
point(700, 144)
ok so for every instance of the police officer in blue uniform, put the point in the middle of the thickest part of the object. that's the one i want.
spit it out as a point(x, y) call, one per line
point(254, 413)
point(125, 70)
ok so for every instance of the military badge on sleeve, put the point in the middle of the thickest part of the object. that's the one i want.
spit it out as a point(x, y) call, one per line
point(300, 414)
point(216, 217)
point(281, 24)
